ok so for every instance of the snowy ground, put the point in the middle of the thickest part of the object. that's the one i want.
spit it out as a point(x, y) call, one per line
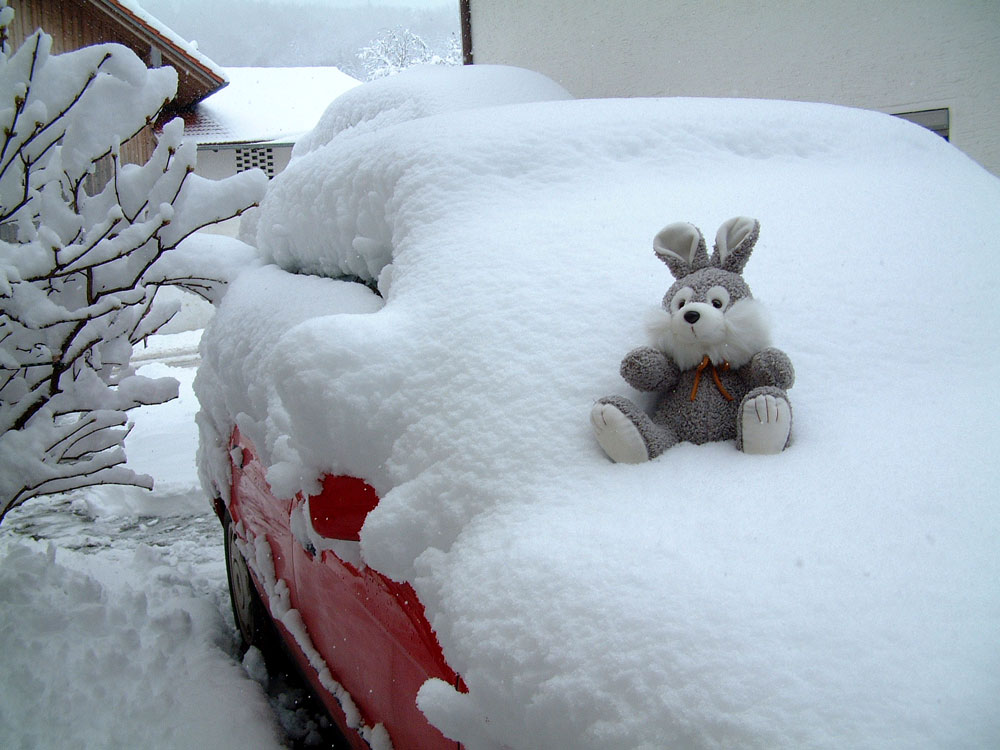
point(115, 624)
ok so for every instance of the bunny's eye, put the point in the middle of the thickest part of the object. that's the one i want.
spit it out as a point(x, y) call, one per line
point(680, 299)
point(718, 297)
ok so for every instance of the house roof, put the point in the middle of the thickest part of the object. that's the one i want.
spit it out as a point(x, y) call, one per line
point(197, 75)
point(263, 105)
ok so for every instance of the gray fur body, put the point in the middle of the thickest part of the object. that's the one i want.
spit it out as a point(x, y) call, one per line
point(710, 324)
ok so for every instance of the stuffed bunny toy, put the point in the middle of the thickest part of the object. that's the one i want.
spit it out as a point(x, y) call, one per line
point(712, 366)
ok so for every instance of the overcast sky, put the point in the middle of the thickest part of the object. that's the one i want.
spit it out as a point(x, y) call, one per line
point(302, 32)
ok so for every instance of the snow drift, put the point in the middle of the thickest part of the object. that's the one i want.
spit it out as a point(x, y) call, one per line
point(841, 594)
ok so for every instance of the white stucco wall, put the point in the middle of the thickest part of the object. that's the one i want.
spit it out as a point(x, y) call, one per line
point(215, 163)
point(889, 55)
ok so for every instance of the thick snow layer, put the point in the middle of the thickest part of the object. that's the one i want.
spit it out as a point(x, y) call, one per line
point(300, 299)
point(840, 594)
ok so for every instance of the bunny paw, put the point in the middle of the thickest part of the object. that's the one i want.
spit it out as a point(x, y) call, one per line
point(767, 421)
point(618, 436)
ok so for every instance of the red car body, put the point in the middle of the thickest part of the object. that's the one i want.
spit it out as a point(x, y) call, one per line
point(370, 631)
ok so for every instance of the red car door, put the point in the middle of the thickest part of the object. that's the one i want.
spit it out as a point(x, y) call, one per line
point(370, 630)
point(253, 504)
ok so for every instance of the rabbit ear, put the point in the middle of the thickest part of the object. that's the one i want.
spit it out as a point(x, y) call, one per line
point(734, 242)
point(682, 248)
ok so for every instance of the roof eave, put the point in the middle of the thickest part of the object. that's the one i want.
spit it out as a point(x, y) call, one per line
point(196, 78)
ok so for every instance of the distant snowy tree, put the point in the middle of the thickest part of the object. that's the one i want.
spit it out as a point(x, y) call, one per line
point(397, 49)
point(81, 262)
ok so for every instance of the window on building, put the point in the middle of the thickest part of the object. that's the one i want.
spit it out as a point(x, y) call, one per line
point(262, 158)
point(936, 120)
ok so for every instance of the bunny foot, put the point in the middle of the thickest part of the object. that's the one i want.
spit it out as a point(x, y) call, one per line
point(618, 435)
point(766, 422)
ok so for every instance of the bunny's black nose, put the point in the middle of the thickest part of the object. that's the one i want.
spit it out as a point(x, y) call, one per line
point(691, 316)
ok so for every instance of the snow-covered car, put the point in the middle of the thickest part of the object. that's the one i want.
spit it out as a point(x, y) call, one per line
point(395, 422)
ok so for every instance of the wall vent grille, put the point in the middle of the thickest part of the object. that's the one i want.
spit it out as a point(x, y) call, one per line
point(261, 158)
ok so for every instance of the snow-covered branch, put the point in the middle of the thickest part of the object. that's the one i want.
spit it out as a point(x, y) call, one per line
point(81, 262)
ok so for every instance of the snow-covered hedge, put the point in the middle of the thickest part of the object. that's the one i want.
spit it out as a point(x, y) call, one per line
point(841, 594)
point(81, 261)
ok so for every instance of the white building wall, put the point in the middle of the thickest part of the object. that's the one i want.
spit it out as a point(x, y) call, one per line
point(890, 55)
point(215, 163)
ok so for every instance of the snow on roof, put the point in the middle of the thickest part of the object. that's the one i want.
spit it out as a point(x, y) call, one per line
point(266, 104)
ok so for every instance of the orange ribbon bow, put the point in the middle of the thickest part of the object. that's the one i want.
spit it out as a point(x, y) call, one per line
point(706, 362)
